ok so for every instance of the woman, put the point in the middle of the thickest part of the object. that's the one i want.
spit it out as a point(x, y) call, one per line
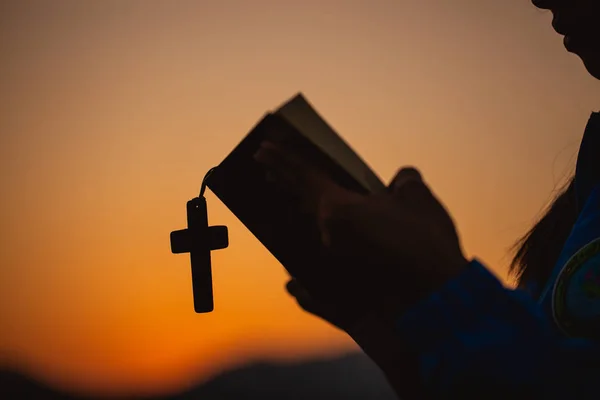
point(441, 326)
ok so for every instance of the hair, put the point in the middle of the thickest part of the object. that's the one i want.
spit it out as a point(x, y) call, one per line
point(536, 253)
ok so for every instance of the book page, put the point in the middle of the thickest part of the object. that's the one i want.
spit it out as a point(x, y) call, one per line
point(302, 116)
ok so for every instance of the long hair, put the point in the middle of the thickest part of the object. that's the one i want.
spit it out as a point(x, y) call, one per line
point(538, 250)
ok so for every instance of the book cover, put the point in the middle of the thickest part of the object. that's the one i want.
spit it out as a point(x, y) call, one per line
point(270, 213)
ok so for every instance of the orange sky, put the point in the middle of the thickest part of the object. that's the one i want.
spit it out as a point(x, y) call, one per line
point(112, 111)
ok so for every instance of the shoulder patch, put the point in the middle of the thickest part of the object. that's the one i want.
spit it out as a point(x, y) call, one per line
point(576, 293)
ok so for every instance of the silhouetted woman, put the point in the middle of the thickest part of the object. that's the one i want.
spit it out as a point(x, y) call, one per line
point(441, 326)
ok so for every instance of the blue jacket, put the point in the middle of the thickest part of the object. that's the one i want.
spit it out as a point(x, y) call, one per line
point(477, 339)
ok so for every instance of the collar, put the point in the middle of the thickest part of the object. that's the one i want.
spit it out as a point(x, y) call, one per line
point(587, 172)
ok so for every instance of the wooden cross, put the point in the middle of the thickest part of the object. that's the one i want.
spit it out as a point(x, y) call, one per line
point(199, 240)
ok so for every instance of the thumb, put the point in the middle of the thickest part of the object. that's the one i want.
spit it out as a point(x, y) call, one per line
point(403, 176)
point(408, 188)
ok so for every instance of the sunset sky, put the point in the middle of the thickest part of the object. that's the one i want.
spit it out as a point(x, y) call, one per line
point(112, 111)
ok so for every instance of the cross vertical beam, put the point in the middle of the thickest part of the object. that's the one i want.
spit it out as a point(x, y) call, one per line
point(199, 240)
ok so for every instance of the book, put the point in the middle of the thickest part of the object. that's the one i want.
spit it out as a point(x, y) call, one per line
point(270, 213)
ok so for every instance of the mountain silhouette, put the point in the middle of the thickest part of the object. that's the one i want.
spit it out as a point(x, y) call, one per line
point(350, 377)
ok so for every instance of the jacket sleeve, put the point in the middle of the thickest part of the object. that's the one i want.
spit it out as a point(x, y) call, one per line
point(476, 339)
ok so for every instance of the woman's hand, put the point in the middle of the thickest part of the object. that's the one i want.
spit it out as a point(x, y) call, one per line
point(327, 312)
point(374, 335)
point(391, 248)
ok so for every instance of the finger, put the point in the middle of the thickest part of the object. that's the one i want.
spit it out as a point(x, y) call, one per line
point(324, 311)
point(279, 167)
point(409, 188)
point(339, 207)
point(300, 293)
point(315, 190)
point(290, 168)
point(346, 223)
point(405, 178)
point(304, 299)
point(295, 288)
point(296, 174)
point(285, 171)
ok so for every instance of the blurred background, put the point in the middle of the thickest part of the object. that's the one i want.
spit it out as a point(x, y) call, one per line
point(112, 111)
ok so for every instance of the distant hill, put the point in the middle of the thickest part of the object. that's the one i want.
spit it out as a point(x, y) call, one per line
point(351, 377)
point(16, 386)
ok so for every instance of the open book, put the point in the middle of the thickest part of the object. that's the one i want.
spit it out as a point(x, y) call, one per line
point(271, 214)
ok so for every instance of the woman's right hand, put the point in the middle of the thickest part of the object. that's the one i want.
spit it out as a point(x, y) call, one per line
point(388, 250)
point(335, 314)
point(327, 312)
